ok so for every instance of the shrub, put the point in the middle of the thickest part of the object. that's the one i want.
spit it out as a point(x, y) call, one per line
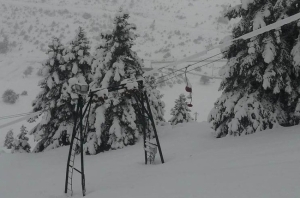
point(4, 45)
point(28, 71)
point(86, 15)
point(9, 96)
point(204, 79)
point(24, 93)
point(40, 72)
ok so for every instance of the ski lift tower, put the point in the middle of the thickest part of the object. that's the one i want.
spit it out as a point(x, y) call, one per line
point(143, 110)
point(77, 137)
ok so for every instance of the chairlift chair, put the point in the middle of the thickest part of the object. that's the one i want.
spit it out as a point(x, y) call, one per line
point(188, 88)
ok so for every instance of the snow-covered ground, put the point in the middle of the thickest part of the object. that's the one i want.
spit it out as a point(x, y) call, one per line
point(264, 165)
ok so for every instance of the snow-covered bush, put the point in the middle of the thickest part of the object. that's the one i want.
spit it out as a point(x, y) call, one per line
point(28, 71)
point(86, 15)
point(10, 96)
point(40, 72)
point(180, 112)
point(204, 80)
point(9, 139)
point(4, 45)
point(24, 93)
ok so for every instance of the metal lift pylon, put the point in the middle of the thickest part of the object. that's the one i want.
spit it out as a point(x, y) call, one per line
point(147, 117)
point(77, 136)
point(144, 110)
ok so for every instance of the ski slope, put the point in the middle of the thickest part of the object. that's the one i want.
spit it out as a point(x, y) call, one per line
point(264, 164)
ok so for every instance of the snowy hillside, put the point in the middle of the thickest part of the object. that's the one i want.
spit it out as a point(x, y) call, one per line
point(261, 165)
point(167, 29)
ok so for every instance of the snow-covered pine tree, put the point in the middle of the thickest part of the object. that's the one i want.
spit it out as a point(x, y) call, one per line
point(79, 60)
point(180, 112)
point(20, 144)
point(54, 127)
point(9, 138)
point(289, 8)
point(114, 124)
point(64, 68)
point(260, 82)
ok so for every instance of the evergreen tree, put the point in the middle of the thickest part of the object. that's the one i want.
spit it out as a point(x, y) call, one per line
point(114, 124)
point(115, 61)
point(79, 60)
point(180, 112)
point(260, 81)
point(57, 111)
point(9, 138)
point(20, 144)
point(64, 68)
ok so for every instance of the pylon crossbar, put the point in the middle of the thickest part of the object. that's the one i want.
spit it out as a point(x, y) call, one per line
point(75, 169)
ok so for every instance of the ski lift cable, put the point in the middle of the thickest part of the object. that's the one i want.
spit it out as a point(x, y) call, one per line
point(25, 114)
point(216, 60)
point(159, 69)
point(249, 35)
point(20, 119)
point(181, 69)
point(182, 72)
point(191, 65)
point(15, 115)
point(30, 113)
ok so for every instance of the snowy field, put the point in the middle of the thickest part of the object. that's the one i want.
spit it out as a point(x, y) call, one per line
point(196, 165)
